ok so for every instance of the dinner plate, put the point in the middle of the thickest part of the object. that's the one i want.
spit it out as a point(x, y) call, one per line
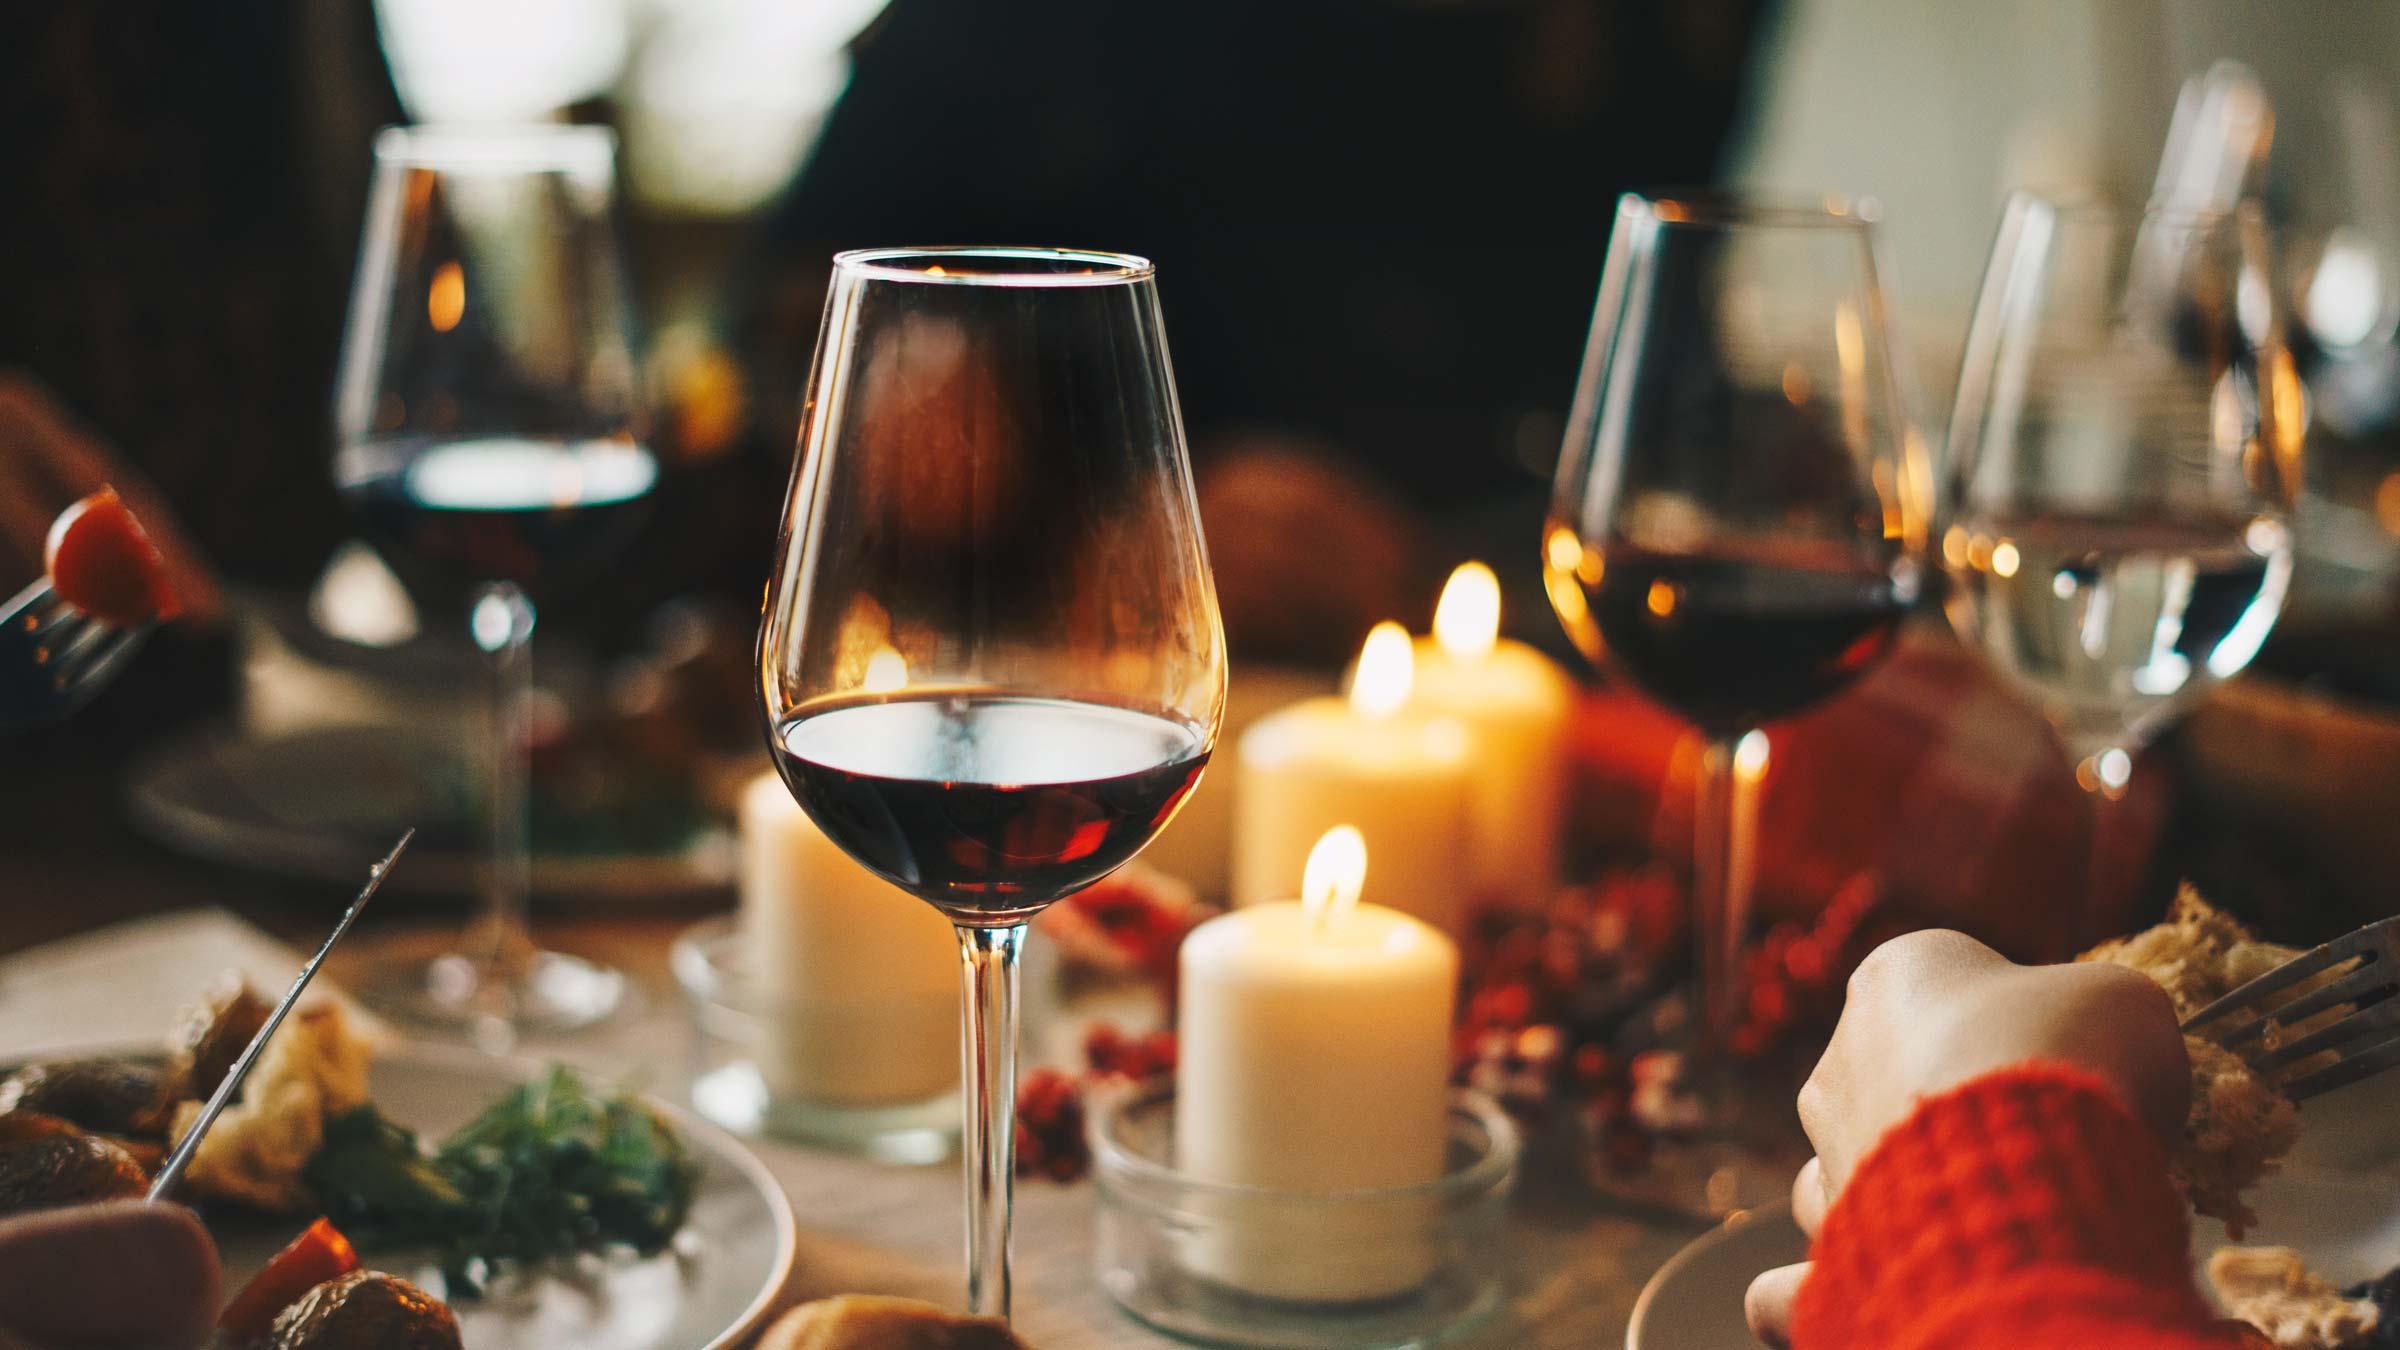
point(311, 802)
point(709, 1290)
point(2347, 1224)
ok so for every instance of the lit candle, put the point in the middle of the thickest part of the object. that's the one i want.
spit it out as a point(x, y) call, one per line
point(1398, 775)
point(1314, 1057)
point(855, 980)
point(1517, 703)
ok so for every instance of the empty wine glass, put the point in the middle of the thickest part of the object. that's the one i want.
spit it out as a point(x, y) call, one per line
point(991, 660)
point(490, 442)
point(1734, 532)
point(2125, 446)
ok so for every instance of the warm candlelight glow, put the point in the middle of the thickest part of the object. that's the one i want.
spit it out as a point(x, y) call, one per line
point(2005, 559)
point(1336, 872)
point(446, 301)
point(1750, 757)
point(1467, 621)
point(1387, 670)
point(887, 672)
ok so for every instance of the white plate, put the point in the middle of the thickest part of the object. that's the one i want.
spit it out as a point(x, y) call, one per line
point(2347, 1224)
point(310, 803)
point(709, 1291)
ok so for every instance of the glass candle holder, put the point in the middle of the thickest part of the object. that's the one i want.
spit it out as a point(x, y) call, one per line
point(1234, 1265)
point(732, 1027)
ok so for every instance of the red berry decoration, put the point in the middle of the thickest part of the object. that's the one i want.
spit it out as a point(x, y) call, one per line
point(1050, 1139)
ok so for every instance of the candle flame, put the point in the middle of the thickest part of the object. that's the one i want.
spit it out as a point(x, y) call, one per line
point(1750, 757)
point(1336, 872)
point(1387, 670)
point(1467, 621)
point(887, 672)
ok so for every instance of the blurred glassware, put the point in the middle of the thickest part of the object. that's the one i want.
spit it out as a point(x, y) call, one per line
point(468, 61)
point(2125, 449)
point(490, 438)
point(1735, 532)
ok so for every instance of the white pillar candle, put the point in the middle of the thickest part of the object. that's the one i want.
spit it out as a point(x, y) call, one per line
point(1516, 702)
point(1196, 848)
point(1398, 775)
point(1314, 1057)
point(855, 980)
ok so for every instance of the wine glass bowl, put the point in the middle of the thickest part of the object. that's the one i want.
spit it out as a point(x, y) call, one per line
point(991, 664)
point(2125, 447)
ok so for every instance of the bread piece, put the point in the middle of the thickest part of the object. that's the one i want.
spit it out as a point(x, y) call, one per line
point(2240, 1124)
point(873, 1322)
point(2272, 1289)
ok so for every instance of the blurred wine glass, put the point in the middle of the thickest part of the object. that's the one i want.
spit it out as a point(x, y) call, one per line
point(1734, 532)
point(2125, 445)
point(991, 661)
point(490, 442)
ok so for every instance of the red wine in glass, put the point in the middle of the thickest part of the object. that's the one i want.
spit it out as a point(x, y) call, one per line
point(1732, 641)
point(988, 805)
point(460, 511)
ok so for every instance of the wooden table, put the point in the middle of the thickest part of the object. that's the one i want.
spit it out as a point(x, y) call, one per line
point(70, 864)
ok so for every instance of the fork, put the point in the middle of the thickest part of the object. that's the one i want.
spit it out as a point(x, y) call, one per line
point(54, 657)
point(2364, 1043)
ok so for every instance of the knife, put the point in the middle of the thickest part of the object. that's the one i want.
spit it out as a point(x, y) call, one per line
point(172, 1173)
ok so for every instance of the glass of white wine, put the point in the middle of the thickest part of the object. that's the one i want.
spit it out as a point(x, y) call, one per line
point(2125, 448)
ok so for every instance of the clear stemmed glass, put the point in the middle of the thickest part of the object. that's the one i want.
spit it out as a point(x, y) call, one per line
point(489, 438)
point(2125, 446)
point(1736, 527)
point(991, 659)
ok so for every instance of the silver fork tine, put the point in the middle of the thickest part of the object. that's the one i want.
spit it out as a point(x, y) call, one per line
point(37, 593)
point(2351, 988)
point(2349, 1070)
point(94, 676)
point(2374, 937)
point(2379, 1017)
point(70, 644)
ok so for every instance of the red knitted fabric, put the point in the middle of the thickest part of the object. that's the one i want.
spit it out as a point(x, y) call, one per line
point(2024, 1209)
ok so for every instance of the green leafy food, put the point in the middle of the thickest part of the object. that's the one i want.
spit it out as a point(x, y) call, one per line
point(549, 1170)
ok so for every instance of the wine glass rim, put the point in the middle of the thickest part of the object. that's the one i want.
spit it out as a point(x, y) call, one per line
point(518, 146)
point(1709, 208)
point(2082, 207)
point(988, 265)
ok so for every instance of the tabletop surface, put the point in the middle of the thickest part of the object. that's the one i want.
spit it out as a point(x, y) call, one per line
point(72, 866)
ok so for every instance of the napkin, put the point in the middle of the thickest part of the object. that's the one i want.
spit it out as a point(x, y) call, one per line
point(122, 986)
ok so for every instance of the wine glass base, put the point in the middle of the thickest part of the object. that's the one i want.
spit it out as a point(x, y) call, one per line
point(550, 993)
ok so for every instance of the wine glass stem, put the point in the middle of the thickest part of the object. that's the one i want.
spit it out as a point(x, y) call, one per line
point(988, 966)
point(502, 626)
point(1720, 893)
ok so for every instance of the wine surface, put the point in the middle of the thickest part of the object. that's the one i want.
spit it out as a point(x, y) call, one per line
point(496, 508)
point(988, 805)
point(1730, 641)
point(2111, 624)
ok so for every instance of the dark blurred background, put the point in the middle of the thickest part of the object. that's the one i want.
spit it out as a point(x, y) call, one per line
point(1379, 224)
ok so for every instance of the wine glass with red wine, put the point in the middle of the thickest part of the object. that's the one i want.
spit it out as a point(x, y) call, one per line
point(1735, 532)
point(490, 442)
point(991, 660)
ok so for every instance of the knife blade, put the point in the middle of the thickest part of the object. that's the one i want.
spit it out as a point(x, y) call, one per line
point(172, 1173)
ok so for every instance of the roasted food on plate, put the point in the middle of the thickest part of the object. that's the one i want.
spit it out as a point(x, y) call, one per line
point(314, 1070)
point(2272, 1289)
point(50, 1163)
point(105, 1096)
point(2240, 1124)
point(314, 1296)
